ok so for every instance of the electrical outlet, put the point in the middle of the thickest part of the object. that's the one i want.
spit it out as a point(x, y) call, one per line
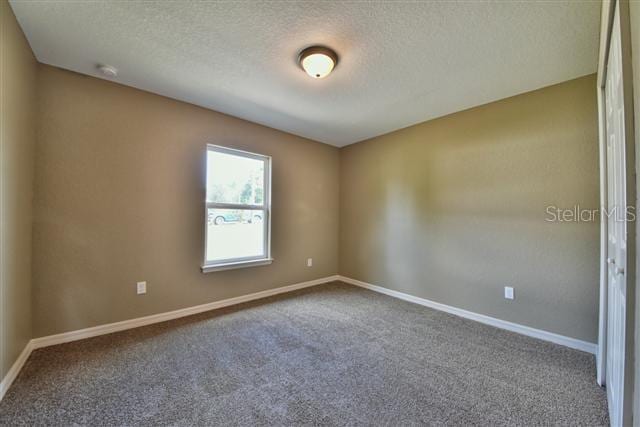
point(141, 287)
point(508, 292)
point(309, 262)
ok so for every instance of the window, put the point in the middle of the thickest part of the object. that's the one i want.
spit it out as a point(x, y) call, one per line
point(237, 213)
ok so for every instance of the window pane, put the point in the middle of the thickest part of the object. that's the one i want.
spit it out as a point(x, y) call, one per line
point(234, 179)
point(234, 233)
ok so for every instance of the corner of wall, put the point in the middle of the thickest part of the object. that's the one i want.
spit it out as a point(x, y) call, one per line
point(18, 138)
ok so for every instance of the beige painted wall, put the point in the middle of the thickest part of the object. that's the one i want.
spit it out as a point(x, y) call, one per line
point(453, 209)
point(17, 136)
point(119, 198)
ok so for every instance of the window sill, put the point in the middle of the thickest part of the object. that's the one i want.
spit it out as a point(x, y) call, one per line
point(234, 265)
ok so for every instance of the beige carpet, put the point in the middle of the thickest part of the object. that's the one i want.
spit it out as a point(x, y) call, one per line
point(328, 355)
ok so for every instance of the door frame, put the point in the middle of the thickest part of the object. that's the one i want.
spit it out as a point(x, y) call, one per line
point(608, 9)
point(606, 26)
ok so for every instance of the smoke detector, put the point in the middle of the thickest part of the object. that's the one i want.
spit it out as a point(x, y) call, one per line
point(108, 71)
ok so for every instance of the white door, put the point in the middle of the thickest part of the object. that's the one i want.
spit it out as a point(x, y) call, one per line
point(617, 226)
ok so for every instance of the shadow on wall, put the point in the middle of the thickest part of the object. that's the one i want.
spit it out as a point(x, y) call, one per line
point(453, 210)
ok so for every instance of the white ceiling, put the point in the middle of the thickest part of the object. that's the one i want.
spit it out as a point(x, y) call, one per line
point(400, 63)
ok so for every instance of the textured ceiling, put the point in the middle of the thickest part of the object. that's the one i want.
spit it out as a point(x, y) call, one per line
point(400, 63)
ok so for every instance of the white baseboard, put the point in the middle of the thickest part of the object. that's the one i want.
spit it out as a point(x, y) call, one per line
point(502, 324)
point(142, 321)
point(15, 369)
point(163, 317)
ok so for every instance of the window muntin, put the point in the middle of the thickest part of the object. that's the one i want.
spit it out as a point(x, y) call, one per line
point(237, 214)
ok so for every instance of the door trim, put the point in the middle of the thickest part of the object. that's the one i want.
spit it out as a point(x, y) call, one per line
point(608, 8)
point(606, 25)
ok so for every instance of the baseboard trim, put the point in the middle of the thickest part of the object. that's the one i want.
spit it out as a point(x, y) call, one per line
point(176, 314)
point(498, 323)
point(142, 321)
point(170, 315)
point(15, 369)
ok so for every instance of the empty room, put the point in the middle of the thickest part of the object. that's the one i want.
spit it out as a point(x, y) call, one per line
point(284, 213)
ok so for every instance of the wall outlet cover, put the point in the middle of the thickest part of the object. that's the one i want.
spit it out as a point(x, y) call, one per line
point(309, 262)
point(141, 287)
point(508, 292)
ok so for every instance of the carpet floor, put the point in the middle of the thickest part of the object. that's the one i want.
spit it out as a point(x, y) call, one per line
point(333, 354)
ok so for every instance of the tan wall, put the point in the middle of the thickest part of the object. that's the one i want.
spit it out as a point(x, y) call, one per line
point(119, 198)
point(453, 209)
point(17, 124)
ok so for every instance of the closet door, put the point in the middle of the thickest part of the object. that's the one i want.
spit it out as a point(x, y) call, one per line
point(616, 226)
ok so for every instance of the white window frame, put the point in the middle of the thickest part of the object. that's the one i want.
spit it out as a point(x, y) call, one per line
point(231, 263)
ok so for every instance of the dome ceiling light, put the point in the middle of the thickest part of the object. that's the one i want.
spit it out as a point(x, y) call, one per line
point(318, 61)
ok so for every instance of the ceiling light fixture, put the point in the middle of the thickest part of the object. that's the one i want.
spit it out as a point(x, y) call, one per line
point(318, 61)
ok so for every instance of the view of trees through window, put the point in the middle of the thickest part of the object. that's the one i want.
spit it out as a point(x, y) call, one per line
point(233, 179)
